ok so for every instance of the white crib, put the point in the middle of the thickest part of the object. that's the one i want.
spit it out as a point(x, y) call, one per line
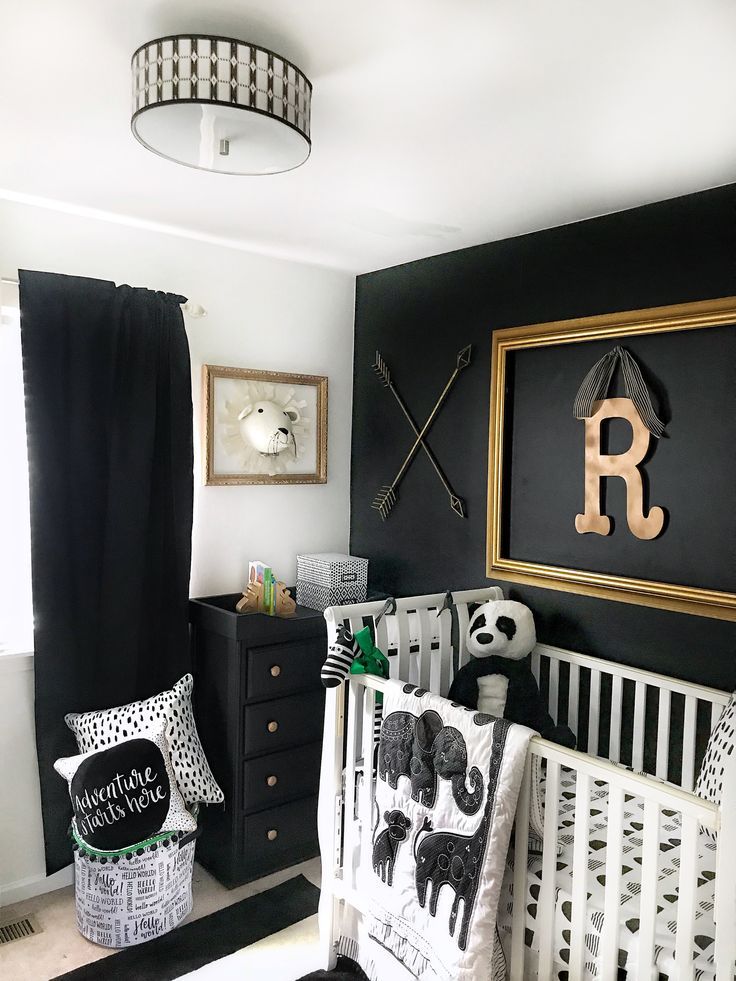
point(654, 723)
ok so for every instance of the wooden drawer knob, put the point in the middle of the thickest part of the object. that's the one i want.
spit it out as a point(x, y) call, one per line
point(275, 670)
point(272, 780)
point(273, 726)
point(272, 835)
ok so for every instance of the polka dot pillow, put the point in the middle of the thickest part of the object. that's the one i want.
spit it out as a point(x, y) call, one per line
point(720, 745)
point(97, 730)
point(126, 793)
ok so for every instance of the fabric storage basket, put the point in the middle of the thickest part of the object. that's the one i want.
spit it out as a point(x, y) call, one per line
point(133, 898)
point(330, 579)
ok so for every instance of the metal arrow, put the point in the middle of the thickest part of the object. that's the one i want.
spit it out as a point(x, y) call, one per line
point(387, 496)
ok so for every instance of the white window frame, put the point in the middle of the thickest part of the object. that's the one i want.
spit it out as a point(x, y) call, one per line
point(16, 617)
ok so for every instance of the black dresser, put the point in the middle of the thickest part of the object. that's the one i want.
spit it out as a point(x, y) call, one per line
point(259, 705)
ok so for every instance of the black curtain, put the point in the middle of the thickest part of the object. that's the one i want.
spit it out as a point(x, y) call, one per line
point(109, 420)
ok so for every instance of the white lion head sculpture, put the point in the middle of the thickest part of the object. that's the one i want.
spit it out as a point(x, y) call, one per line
point(268, 427)
point(263, 430)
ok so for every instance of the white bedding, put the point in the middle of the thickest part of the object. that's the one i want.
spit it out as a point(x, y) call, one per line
point(669, 860)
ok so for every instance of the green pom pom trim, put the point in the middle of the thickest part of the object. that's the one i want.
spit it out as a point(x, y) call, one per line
point(123, 851)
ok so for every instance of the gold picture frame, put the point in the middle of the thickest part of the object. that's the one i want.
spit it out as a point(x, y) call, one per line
point(683, 599)
point(265, 381)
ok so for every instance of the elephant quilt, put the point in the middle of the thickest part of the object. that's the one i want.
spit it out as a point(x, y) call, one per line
point(447, 784)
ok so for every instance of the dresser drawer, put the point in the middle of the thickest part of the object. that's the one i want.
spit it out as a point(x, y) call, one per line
point(280, 668)
point(282, 722)
point(278, 777)
point(279, 831)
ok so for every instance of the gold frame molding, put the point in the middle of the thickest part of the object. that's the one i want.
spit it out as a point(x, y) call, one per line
point(209, 373)
point(683, 599)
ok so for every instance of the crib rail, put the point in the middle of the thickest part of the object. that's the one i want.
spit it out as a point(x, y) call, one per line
point(649, 721)
point(654, 723)
point(417, 637)
point(422, 649)
point(622, 785)
point(658, 798)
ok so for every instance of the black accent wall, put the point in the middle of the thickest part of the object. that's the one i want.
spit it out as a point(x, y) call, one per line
point(420, 314)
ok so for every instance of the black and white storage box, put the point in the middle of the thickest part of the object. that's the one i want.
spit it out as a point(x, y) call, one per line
point(136, 897)
point(330, 579)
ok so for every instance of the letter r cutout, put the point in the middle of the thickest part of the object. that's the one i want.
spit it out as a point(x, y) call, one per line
point(598, 465)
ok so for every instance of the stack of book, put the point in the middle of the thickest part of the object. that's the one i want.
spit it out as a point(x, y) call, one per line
point(263, 574)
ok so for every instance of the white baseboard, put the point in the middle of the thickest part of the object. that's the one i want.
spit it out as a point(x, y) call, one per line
point(35, 885)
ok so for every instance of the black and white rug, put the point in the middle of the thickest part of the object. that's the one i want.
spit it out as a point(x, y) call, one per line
point(210, 938)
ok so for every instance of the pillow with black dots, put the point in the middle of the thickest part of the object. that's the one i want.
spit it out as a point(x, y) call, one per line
point(125, 793)
point(720, 745)
point(97, 730)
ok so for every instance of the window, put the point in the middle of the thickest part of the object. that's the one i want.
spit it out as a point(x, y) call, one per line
point(16, 610)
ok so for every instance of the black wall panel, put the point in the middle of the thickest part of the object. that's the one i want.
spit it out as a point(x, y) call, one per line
point(420, 314)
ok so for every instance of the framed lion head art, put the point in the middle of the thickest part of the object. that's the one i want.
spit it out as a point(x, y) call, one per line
point(263, 427)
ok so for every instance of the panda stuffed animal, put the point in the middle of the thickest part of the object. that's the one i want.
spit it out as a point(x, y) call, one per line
point(498, 678)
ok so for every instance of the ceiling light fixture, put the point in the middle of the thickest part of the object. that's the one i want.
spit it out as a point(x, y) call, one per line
point(218, 104)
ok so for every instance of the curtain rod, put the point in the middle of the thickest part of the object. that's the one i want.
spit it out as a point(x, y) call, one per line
point(194, 310)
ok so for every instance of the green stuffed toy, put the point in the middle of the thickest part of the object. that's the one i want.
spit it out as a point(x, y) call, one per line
point(370, 660)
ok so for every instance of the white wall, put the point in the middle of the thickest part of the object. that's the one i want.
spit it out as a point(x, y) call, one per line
point(262, 313)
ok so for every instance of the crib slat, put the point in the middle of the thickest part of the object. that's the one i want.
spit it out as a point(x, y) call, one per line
point(356, 624)
point(381, 630)
point(688, 742)
point(594, 711)
point(330, 812)
point(443, 655)
point(573, 697)
point(614, 743)
point(648, 899)
point(463, 618)
point(403, 656)
point(725, 894)
point(640, 702)
point(546, 904)
point(579, 876)
point(608, 956)
point(536, 806)
point(355, 706)
point(663, 733)
point(365, 799)
point(435, 661)
point(715, 714)
point(686, 898)
point(425, 649)
point(414, 648)
point(554, 688)
point(536, 664)
point(521, 858)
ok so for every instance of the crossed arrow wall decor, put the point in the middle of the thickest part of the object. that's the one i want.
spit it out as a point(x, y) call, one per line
point(387, 495)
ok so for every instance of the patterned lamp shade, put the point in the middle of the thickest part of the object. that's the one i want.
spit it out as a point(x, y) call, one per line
point(223, 105)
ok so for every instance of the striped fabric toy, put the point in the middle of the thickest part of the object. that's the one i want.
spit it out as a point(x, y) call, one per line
point(339, 658)
point(596, 383)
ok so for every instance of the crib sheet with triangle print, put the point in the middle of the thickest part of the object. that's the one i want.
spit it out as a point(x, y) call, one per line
point(667, 889)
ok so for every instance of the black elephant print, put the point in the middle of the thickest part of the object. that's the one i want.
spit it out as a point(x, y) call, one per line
point(423, 749)
point(456, 860)
point(387, 844)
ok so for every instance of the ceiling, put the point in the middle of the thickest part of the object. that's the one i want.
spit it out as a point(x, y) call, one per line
point(436, 124)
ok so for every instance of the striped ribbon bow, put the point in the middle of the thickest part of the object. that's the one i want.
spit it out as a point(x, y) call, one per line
point(596, 382)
